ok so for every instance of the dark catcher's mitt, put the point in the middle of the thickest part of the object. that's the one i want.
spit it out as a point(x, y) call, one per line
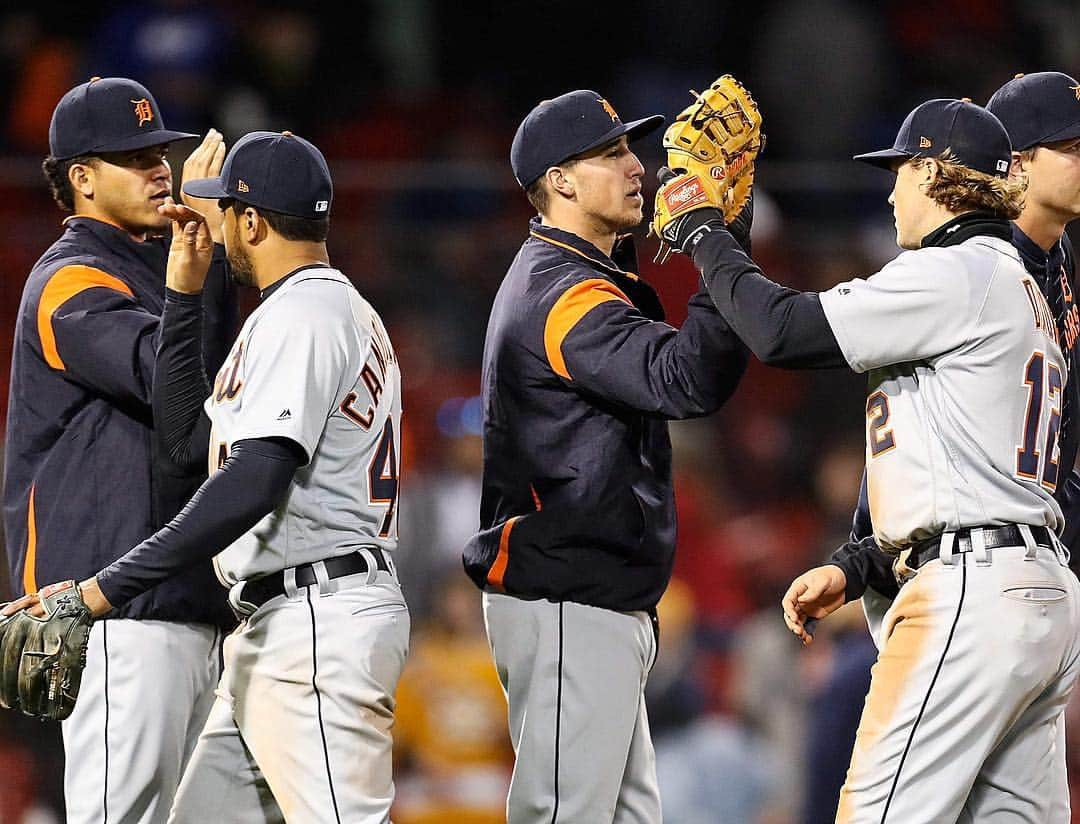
point(42, 659)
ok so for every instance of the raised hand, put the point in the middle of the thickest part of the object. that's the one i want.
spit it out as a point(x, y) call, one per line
point(191, 249)
point(206, 161)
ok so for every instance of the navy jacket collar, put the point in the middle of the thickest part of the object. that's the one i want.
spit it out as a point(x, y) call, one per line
point(1036, 260)
point(574, 244)
point(106, 231)
point(621, 266)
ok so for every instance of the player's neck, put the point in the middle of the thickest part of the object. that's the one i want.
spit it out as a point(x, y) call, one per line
point(585, 227)
point(287, 257)
point(1042, 225)
point(87, 208)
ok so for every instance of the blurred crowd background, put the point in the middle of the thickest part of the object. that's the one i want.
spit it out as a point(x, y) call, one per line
point(414, 102)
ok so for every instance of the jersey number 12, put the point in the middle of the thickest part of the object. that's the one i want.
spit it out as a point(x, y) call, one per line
point(1043, 381)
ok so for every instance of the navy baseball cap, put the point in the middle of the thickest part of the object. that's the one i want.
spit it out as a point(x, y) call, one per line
point(975, 137)
point(278, 171)
point(1038, 108)
point(107, 114)
point(569, 125)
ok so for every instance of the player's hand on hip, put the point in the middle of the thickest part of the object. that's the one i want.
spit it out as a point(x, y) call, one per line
point(206, 161)
point(191, 249)
point(811, 596)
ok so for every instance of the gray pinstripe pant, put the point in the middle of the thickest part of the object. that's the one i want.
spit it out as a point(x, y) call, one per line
point(574, 677)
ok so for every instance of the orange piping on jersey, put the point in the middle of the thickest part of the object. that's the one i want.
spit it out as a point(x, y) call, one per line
point(65, 283)
point(498, 569)
point(29, 577)
point(536, 498)
point(570, 308)
point(570, 248)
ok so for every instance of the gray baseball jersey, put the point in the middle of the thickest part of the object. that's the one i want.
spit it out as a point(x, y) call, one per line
point(965, 390)
point(313, 363)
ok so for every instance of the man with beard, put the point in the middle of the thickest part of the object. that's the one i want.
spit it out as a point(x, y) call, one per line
point(300, 515)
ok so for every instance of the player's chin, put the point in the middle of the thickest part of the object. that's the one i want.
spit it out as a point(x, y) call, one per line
point(632, 215)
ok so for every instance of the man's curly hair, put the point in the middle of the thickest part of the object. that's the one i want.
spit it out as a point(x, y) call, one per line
point(961, 189)
point(56, 175)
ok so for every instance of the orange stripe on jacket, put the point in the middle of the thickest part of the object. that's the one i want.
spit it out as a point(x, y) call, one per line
point(29, 575)
point(570, 308)
point(498, 569)
point(66, 283)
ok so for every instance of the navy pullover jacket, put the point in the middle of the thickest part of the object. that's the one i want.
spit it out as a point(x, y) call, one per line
point(85, 478)
point(580, 377)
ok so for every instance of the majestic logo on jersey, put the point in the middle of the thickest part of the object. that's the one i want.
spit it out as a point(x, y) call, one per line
point(609, 109)
point(144, 111)
point(286, 414)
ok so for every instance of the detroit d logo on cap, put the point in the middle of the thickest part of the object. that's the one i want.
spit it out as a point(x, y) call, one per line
point(614, 115)
point(144, 111)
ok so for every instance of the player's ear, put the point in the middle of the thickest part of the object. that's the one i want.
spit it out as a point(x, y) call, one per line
point(81, 177)
point(559, 181)
point(1018, 169)
point(252, 226)
point(930, 170)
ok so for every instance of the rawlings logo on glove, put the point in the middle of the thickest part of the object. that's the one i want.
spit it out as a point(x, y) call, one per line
point(42, 659)
point(711, 149)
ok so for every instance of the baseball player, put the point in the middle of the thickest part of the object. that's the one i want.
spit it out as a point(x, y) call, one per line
point(302, 428)
point(577, 536)
point(1041, 112)
point(980, 650)
point(83, 477)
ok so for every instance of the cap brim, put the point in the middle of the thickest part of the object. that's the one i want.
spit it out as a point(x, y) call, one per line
point(1067, 133)
point(633, 130)
point(209, 187)
point(142, 141)
point(883, 159)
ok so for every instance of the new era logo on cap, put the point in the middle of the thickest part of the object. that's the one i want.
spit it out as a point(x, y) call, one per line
point(973, 136)
point(277, 171)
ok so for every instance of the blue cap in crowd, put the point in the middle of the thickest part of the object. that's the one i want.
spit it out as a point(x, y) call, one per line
point(278, 171)
point(107, 114)
point(569, 125)
point(973, 135)
point(1038, 108)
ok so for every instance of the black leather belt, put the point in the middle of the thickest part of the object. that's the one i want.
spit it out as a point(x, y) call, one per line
point(994, 537)
point(261, 590)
